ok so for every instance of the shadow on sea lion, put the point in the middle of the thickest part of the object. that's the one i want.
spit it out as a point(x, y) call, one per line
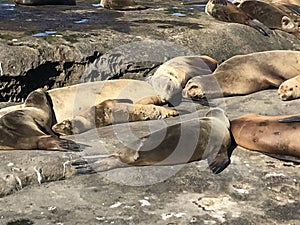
point(277, 136)
point(206, 137)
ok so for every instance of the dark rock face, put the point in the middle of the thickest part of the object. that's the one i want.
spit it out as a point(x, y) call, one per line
point(39, 187)
point(43, 48)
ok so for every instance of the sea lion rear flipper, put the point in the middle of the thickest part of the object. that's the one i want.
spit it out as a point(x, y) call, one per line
point(290, 119)
point(287, 158)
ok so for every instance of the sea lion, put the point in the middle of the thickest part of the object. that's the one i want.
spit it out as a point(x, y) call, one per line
point(275, 15)
point(224, 10)
point(121, 5)
point(171, 77)
point(275, 135)
point(69, 102)
point(111, 112)
point(29, 127)
point(45, 2)
point(207, 137)
point(245, 74)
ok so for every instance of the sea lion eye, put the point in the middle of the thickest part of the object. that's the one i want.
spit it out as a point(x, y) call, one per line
point(291, 89)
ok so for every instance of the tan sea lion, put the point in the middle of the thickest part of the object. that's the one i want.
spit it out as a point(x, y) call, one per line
point(171, 77)
point(69, 102)
point(275, 135)
point(200, 138)
point(245, 74)
point(121, 4)
point(30, 126)
point(224, 10)
point(111, 112)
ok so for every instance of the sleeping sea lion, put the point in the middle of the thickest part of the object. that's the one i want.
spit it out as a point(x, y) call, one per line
point(224, 10)
point(245, 74)
point(206, 137)
point(274, 135)
point(29, 127)
point(171, 77)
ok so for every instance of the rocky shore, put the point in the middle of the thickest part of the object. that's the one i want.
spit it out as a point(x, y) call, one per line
point(55, 46)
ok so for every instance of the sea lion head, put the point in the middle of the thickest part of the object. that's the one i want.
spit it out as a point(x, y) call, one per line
point(64, 128)
point(289, 90)
point(193, 90)
point(167, 88)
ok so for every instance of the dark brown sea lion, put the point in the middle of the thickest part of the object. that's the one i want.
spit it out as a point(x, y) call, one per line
point(121, 4)
point(30, 126)
point(245, 74)
point(226, 11)
point(45, 2)
point(275, 15)
point(274, 135)
point(200, 138)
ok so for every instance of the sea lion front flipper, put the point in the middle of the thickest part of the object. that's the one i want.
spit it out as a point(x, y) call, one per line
point(218, 163)
point(260, 27)
point(59, 144)
point(290, 119)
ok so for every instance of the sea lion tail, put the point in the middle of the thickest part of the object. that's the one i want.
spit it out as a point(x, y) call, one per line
point(260, 27)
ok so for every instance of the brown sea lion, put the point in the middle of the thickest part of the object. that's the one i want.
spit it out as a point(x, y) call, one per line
point(245, 74)
point(171, 77)
point(45, 2)
point(111, 112)
point(200, 138)
point(275, 135)
point(30, 126)
point(275, 15)
point(121, 4)
point(224, 10)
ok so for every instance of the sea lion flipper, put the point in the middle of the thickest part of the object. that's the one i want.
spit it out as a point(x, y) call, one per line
point(287, 158)
point(87, 166)
point(290, 119)
point(219, 163)
point(59, 144)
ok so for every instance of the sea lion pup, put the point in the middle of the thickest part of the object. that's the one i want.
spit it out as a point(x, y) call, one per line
point(171, 77)
point(275, 15)
point(245, 74)
point(30, 127)
point(226, 11)
point(206, 137)
point(45, 2)
point(121, 5)
point(111, 112)
point(274, 135)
